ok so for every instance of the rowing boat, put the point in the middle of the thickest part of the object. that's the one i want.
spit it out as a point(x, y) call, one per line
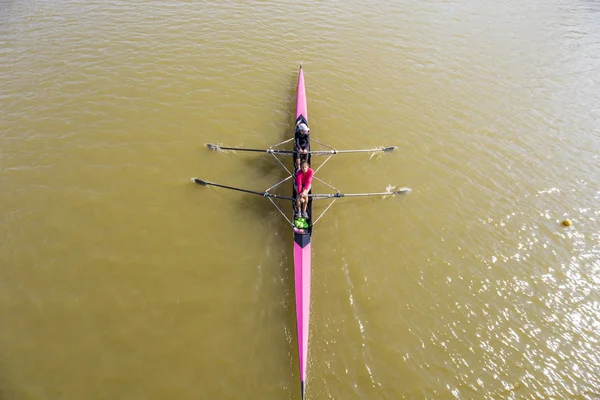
point(302, 235)
point(302, 250)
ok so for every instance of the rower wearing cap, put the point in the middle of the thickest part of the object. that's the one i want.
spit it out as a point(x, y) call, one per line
point(303, 183)
point(301, 144)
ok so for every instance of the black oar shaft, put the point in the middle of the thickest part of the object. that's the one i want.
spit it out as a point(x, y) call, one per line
point(264, 194)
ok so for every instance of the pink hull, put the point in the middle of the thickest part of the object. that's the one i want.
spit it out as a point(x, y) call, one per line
point(301, 97)
point(302, 258)
point(302, 279)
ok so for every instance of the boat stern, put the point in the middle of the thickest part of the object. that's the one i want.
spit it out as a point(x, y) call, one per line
point(302, 261)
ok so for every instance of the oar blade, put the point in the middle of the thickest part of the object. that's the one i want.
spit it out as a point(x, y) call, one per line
point(213, 147)
point(200, 181)
point(403, 190)
point(389, 149)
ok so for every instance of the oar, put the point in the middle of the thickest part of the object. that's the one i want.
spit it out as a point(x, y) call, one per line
point(264, 194)
point(336, 195)
point(334, 151)
point(216, 147)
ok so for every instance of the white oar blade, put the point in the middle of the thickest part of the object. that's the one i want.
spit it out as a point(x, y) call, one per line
point(404, 190)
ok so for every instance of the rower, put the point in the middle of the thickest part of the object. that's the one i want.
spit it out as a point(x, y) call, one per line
point(301, 144)
point(303, 183)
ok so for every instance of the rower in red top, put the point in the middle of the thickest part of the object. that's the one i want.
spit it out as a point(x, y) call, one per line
point(303, 183)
